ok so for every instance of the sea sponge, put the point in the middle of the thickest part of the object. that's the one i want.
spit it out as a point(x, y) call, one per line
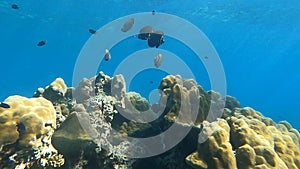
point(26, 120)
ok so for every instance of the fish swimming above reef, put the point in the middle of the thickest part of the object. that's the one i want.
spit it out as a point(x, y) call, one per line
point(145, 32)
point(15, 6)
point(127, 25)
point(42, 43)
point(92, 31)
point(107, 55)
point(158, 60)
point(4, 105)
point(156, 39)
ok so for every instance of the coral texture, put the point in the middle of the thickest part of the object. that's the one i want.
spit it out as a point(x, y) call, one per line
point(54, 92)
point(214, 149)
point(256, 141)
point(26, 129)
point(26, 120)
point(91, 126)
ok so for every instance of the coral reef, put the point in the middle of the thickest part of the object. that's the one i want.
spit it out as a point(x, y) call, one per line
point(231, 103)
point(88, 127)
point(84, 91)
point(26, 129)
point(274, 145)
point(54, 92)
point(214, 149)
point(26, 120)
point(60, 96)
point(256, 141)
point(140, 103)
point(182, 100)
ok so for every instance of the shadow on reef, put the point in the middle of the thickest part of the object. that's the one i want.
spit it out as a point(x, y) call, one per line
point(86, 127)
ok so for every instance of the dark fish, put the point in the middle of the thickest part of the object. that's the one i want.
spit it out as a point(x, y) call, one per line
point(158, 60)
point(48, 124)
point(21, 127)
point(107, 55)
point(156, 39)
point(15, 6)
point(145, 32)
point(4, 105)
point(42, 43)
point(92, 31)
point(127, 25)
point(153, 12)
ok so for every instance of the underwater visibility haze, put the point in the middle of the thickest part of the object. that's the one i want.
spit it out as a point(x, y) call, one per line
point(149, 84)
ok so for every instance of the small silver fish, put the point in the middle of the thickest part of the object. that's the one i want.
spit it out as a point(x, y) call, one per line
point(127, 25)
point(158, 60)
point(107, 55)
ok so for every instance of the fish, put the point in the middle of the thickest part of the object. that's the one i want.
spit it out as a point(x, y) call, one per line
point(4, 105)
point(156, 39)
point(158, 60)
point(92, 31)
point(107, 55)
point(145, 32)
point(15, 6)
point(127, 25)
point(153, 12)
point(42, 43)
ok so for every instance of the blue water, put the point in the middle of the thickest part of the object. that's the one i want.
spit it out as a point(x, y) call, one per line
point(257, 41)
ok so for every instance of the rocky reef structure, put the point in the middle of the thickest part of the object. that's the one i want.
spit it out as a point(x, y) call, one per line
point(60, 96)
point(188, 99)
point(246, 139)
point(213, 151)
point(86, 127)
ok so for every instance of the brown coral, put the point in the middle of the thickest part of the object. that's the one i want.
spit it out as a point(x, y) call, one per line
point(184, 99)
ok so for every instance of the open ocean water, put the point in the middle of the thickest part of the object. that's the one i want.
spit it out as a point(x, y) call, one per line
point(257, 43)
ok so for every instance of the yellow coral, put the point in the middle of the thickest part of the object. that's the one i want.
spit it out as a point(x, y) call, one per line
point(275, 145)
point(258, 142)
point(59, 85)
point(186, 100)
point(25, 120)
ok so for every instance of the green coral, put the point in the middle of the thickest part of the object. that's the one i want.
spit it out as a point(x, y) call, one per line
point(140, 103)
